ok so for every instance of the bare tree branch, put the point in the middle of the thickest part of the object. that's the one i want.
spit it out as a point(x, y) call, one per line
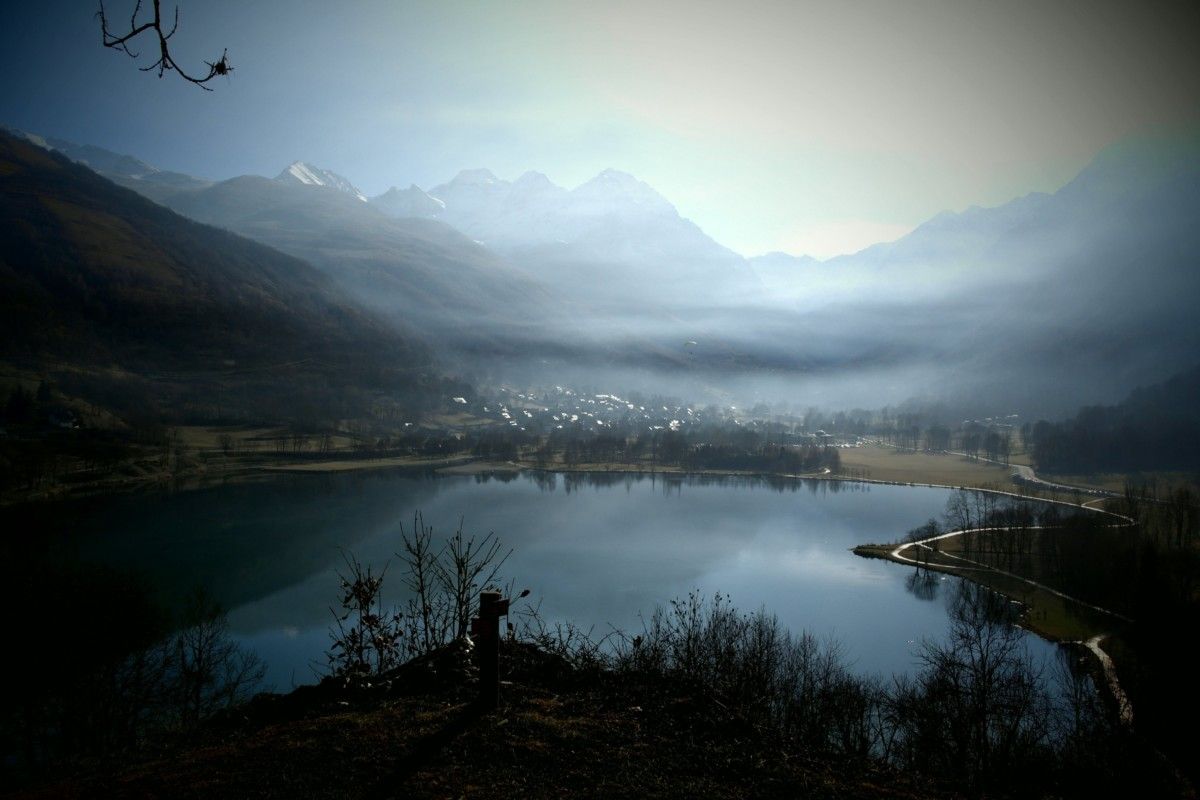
point(165, 61)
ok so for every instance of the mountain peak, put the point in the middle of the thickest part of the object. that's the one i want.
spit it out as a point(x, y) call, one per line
point(308, 175)
point(410, 202)
point(479, 176)
point(616, 176)
point(621, 191)
point(395, 191)
point(533, 180)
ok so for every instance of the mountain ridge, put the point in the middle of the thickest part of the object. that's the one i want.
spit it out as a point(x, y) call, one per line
point(120, 297)
point(306, 174)
point(1028, 296)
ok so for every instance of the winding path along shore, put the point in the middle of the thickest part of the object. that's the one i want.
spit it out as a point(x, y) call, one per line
point(1021, 475)
point(1025, 475)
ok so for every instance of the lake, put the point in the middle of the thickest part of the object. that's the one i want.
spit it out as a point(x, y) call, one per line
point(598, 550)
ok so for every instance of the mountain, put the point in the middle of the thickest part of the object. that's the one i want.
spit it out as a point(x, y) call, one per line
point(947, 242)
point(1034, 237)
point(471, 200)
point(307, 175)
point(410, 202)
point(783, 274)
point(130, 304)
point(616, 193)
point(126, 170)
point(612, 240)
point(1039, 304)
point(419, 273)
point(534, 212)
point(1066, 297)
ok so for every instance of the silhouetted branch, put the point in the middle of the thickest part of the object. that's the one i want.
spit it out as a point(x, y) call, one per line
point(165, 61)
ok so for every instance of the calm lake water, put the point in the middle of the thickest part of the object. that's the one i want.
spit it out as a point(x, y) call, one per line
point(597, 550)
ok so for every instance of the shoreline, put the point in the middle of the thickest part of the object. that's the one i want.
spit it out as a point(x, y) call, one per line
point(1022, 476)
point(1104, 667)
point(470, 465)
point(214, 474)
point(215, 470)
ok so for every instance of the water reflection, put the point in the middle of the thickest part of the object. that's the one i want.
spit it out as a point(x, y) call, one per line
point(667, 482)
point(598, 548)
point(924, 584)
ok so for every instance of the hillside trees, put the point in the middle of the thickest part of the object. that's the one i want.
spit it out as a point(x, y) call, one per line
point(1155, 428)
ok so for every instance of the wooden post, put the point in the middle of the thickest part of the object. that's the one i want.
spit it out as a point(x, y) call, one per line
point(486, 630)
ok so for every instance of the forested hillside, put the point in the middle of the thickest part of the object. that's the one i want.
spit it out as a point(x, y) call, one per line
point(134, 307)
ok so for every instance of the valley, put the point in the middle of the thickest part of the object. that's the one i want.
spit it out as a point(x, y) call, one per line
point(546, 400)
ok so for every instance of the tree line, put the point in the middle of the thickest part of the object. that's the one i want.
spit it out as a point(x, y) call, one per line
point(1155, 428)
point(1148, 571)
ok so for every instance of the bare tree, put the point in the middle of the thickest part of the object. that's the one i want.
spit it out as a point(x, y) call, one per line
point(444, 583)
point(165, 62)
point(980, 710)
point(209, 671)
point(366, 637)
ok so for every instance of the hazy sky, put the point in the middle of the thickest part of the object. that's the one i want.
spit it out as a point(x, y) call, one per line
point(806, 127)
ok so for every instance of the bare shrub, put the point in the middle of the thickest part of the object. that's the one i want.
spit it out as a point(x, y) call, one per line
point(209, 672)
point(366, 638)
point(445, 582)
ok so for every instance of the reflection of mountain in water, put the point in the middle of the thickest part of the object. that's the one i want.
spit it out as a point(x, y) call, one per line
point(243, 542)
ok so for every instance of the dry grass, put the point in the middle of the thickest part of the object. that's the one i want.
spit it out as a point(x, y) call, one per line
point(887, 464)
point(200, 437)
point(1023, 458)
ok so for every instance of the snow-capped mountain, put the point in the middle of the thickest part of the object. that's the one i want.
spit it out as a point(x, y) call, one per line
point(533, 210)
point(617, 193)
point(612, 237)
point(472, 199)
point(612, 216)
point(308, 175)
point(409, 203)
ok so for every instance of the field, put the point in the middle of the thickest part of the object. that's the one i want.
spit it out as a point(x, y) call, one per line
point(883, 463)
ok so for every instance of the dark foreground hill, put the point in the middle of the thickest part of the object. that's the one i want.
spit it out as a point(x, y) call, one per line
point(136, 308)
point(559, 732)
